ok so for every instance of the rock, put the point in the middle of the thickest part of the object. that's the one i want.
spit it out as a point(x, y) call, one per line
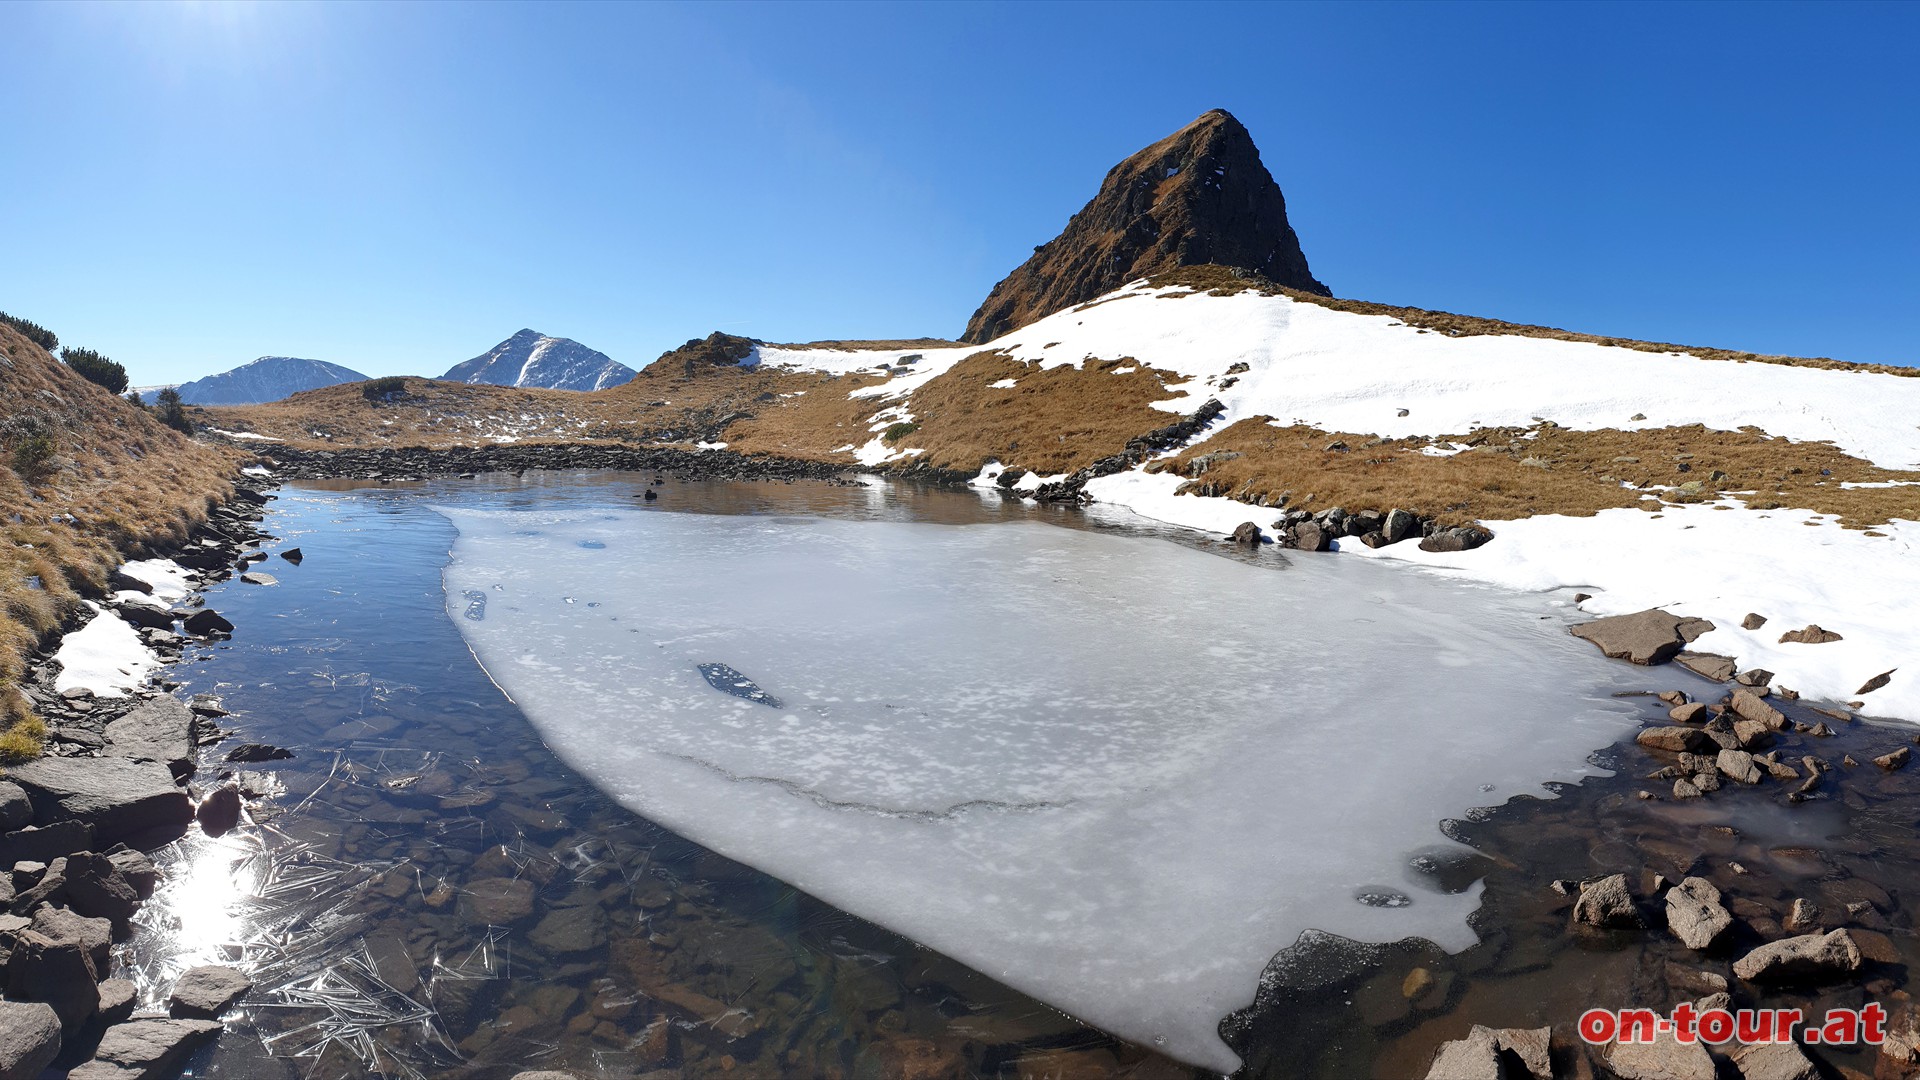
point(146, 1049)
point(206, 622)
point(1809, 958)
point(1248, 535)
point(257, 578)
point(1752, 734)
point(159, 730)
point(1399, 525)
point(1811, 635)
point(1695, 914)
point(571, 930)
point(1748, 706)
point(118, 797)
point(1308, 536)
point(16, 809)
point(96, 889)
point(1690, 713)
point(44, 844)
point(219, 812)
point(252, 752)
point(543, 1074)
point(1707, 665)
point(292, 555)
point(1755, 677)
point(62, 926)
point(1805, 916)
point(1876, 682)
point(119, 581)
point(117, 1000)
point(203, 993)
point(1753, 621)
point(1665, 1058)
point(497, 901)
point(1686, 789)
point(1896, 760)
point(136, 869)
point(61, 974)
point(29, 1038)
point(1773, 1061)
point(1607, 903)
point(1652, 636)
point(1675, 739)
point(1489, 1054)
point(145, 614)
point(1461, 538)
point(1738, 765)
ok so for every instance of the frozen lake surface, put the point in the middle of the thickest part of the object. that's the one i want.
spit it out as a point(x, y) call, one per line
point(1117, 773)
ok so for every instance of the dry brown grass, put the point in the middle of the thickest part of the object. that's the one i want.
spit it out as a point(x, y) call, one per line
point(118, 482)
point(1222, 280)
point(1513, 473)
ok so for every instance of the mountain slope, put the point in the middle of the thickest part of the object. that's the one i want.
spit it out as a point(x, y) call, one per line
point(269, 378)
point(531, 359)
point(1198, 196)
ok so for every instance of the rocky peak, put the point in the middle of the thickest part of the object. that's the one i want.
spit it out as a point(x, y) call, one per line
point(1198, 196)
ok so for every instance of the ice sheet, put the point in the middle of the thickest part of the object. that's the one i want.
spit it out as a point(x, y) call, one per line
point(1114, 772)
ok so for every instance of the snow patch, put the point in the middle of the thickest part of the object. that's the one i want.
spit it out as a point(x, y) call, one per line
point(105, 656)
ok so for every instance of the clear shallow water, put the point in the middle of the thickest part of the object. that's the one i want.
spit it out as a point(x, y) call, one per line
point(1115, 773)
point(442, 895)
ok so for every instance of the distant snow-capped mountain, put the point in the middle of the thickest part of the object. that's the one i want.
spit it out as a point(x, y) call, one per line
point(530, 358)
point(269, 378)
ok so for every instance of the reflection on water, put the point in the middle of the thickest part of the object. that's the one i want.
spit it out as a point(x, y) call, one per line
point(435, 894)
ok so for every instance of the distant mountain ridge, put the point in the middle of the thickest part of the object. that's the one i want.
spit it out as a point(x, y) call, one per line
point(269, 378)
point(1199, 196)
point(532, 359)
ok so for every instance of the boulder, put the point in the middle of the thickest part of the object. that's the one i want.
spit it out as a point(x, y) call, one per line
point(1896, 760)
point(42, 844)
point(60, 925)
point(257, 578)
point(1812, 634)
point(206, 622)
point(1665, 1058)
point(137, 869)
point(1749, 706)
point(1809, 958)
point(1695, 914)
point(116, 796)
point(1460, 538)
point(1308, 536)
point(1753, 734)
point(1675, 739)
point(1690, 713)
point(253, 752)
point(146, 1049)
point(16, 810)
point(29, 1038)
point(1607, 903)
point(96, 889)
point(1652, 636)
point(1247, 535)
point(50, 887)
point(203, 993)
point(1876, 682)
point(118, 997)
point(1738, 765)
point(160, 730)
point(145, 614)
point(219, 812)
point(59, 973)
point(1707, 665)
point(1753, 621)
point(1490, 1054)
point(1773, 1061)
point(1399, 525)
point(292, 555)
point(1754, 677)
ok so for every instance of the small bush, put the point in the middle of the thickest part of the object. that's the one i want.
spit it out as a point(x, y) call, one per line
point(23, 741)
point(31, 456)
point(134, 399)
point(96, 369)
point(900, 431)
point(167, 407)
point(385, 388)
point(32, 331)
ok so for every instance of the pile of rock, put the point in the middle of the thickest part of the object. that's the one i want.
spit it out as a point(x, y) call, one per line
point(419, 462)
point(74, 833)
point(1305, 531)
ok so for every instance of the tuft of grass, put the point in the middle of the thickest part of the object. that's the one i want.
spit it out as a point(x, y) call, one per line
point(24, 741)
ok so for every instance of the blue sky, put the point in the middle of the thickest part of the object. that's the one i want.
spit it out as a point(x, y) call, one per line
point(397, 187)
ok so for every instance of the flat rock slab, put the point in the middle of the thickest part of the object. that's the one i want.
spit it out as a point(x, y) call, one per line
point(497, 901)
point(1707, 665)
point(117, 796)
point(44, 844)
point(203, 993)
point(1652, 636)
point(145, 1049)
point(29, 1038)
point(160, 730)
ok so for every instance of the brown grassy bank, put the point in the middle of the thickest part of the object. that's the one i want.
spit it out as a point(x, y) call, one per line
point(88, 480)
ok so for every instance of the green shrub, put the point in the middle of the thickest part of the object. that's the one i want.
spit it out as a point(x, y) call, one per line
point(899, 431)
point(32, 331)
point(31, 456)
point(384, 388)
point(134, 399)
point(167, 407)
point(96, 369)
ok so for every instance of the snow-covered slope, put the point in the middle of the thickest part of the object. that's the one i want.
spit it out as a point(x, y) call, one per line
point(269, 378)
point(530, 358)
point(1300, 362)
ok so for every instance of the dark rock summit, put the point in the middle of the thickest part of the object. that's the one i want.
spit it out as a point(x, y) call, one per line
point(1198, 196)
